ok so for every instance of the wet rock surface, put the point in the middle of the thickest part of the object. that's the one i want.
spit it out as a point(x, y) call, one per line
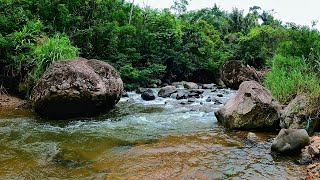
point(208, 86)
point(290, 141)
point(311, 156)
point(148, 95)
point(190, 85)
point(76, 87)
point(310, 153)
point(167, 91)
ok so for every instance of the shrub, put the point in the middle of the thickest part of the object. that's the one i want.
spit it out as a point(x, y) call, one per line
point(45, 53)
point(259, 45)
point(50, 50)
point(135, 77)
point(290, 76)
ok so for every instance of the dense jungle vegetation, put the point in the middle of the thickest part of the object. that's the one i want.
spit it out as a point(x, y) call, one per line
point(148, 45)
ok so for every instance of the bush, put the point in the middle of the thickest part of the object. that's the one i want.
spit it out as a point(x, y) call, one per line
point(45, 53)
point(50, 50)
point(259, 45)
point(144, 77)
point(16, 53)
point(291, 76)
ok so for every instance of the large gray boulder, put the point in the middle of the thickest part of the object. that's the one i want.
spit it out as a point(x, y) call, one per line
point(290, 141)
point(294, 115)
point(76, 87)
point(251, 108)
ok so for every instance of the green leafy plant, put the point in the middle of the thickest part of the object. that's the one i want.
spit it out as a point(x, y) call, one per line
point(44, 53)
point(51, 50)
point(290, 76)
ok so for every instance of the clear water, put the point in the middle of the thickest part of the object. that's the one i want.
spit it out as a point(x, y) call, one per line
point(159, 139)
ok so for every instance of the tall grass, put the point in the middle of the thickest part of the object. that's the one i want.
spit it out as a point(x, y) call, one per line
point(50, 50)
point(291, 76)
point(44, 53)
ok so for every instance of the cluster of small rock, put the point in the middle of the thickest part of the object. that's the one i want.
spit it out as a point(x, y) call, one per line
point(310, 155)
point(180, 90)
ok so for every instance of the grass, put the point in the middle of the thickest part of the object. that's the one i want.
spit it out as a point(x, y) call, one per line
point(291, 76)
point(52, 49)
point(47, 51)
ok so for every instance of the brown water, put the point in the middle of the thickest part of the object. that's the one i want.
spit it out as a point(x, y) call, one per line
point(137, 140)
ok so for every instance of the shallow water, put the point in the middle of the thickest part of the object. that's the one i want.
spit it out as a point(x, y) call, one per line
point(159, 139)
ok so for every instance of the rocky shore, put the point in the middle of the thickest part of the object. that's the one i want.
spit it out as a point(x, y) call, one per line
point(11, 102)
point(251, 108)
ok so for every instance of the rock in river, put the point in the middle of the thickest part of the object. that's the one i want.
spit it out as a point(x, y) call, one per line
point(76, 87)
point(253, 107)
point(167, 91)
point(148, 95)
point(290, 141)
point(190, 85)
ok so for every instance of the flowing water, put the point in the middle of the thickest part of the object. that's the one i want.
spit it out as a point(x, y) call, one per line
point(160, 139)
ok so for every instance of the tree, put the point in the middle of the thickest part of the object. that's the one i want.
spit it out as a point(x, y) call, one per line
point(180, 6)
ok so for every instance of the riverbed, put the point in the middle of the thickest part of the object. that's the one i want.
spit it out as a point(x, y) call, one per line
point(160, 139)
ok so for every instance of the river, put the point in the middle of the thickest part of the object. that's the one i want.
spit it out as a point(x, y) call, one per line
point(161, 139)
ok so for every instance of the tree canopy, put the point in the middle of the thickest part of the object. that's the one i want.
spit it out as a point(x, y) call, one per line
point(146, 45)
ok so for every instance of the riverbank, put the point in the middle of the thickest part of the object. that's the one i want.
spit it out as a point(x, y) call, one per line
point(11, 102)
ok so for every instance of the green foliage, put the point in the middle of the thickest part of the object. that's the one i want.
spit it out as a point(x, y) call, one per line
point(135, 77)
point(18, 45)
point(50, 50)
point(259, 45)
point(156, 44)
point(290, 76)
point(299, 41)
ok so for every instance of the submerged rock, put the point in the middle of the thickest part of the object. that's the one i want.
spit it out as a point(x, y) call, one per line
point(148, 95)
point(251, 138)
point(253, 107)
point(125, 94)
point(290, 141)
point(76, 87)
point(182, 94)
point(191, 100)
point(194, 95)
point(197, 91)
